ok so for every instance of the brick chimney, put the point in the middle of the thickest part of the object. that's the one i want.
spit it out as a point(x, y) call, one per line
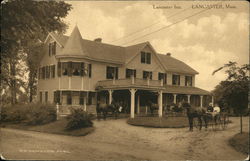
point(168, 54)
point(98, 40)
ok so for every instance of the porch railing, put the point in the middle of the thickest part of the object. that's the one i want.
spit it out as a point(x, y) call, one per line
point(131, 81)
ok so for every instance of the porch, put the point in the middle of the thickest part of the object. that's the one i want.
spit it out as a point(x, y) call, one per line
point(133, 94)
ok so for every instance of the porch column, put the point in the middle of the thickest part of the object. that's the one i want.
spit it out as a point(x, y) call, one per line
point(132, 105)
point(213, 101)
point(85, 102)
point(160, 103)
point(189, 98)
point(201, 98)
point(175, 98)
point(110, 96)
point(133, 79)
point(138, 104)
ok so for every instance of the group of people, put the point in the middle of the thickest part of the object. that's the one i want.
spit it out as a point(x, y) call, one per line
point(214, 111)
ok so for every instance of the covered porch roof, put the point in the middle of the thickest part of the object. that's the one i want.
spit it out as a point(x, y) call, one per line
point(185, 90)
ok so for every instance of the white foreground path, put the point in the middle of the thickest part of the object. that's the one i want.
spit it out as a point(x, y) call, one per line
point(115, 139)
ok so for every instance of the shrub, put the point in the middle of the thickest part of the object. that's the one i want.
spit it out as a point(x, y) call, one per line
point(31, 114)
point(78, 119)
point(41, 114)
point(15, 113)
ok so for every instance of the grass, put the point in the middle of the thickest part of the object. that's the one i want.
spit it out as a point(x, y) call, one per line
point(56, 127)
point(169, 122)
point(240, 142)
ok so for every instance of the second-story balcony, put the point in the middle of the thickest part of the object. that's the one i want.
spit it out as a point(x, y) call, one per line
point(130, 82)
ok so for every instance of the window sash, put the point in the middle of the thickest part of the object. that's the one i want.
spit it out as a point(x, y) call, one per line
point(76, 69)
point(162, 76)
point(176, 80)
point(143, 57)
point(130, 72)
point(112, 72)
point(188, 80)
point(147, 74)
point(148, 58)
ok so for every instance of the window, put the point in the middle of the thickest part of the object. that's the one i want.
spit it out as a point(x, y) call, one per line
point(90, 96)
point(75, 98)
point(147, 74)
point(145, 58)
point(162, 76)
point(52, 71)
point(52, 48)
point(112, 72)
point(176, 79)
point(47, 72)
point(67, 97)
point(41, 96)
point(43, 72)
point(40, 73)
point(64, 68)
point(81, 101)
point(188, 80)
point(76, 69)
point(46, 96)
point(57, 97)
point(90, 70)
point(130, 72)
point(59, 69)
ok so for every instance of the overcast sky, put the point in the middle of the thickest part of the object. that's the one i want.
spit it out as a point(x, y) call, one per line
point(204, 41)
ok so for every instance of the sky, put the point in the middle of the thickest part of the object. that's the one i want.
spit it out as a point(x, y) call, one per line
point(203, 38)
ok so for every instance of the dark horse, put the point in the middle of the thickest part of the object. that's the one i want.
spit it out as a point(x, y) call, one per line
point(104, 109)
point(195, 112)
point(153, 107)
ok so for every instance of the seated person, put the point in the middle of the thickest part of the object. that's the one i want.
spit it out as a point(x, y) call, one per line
point(216, 112)
point(210, 108)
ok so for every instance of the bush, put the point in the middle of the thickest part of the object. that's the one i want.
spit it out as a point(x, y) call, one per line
point(31, 114)
point(78, 119)
point(41, 114)
point(15, 113)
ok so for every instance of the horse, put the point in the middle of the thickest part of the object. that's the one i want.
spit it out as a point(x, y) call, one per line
point(195, 112)
point(153, 107)
point(104, 109)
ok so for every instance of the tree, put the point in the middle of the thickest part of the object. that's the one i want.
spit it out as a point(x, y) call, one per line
point(22, 22)
point(234, 90)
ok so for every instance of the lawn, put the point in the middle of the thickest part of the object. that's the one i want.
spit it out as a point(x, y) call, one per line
point(169, 122)
point(240, 142)
point(56, 127)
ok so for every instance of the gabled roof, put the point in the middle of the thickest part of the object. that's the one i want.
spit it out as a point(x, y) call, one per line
point(74, 45)
point(131, 51)
point(174, 65)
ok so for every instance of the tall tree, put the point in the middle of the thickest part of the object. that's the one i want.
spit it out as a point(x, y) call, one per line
point(22, 22)
point(234, 90)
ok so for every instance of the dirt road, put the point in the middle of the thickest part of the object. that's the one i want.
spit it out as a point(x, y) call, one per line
point(115, 139)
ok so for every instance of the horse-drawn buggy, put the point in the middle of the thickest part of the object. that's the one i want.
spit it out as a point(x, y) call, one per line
point(196, 115)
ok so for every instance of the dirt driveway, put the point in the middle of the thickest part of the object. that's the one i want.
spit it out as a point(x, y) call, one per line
point(115, 139)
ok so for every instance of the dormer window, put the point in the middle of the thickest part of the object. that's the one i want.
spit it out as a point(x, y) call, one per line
point(52, 48)
point(145, 58)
